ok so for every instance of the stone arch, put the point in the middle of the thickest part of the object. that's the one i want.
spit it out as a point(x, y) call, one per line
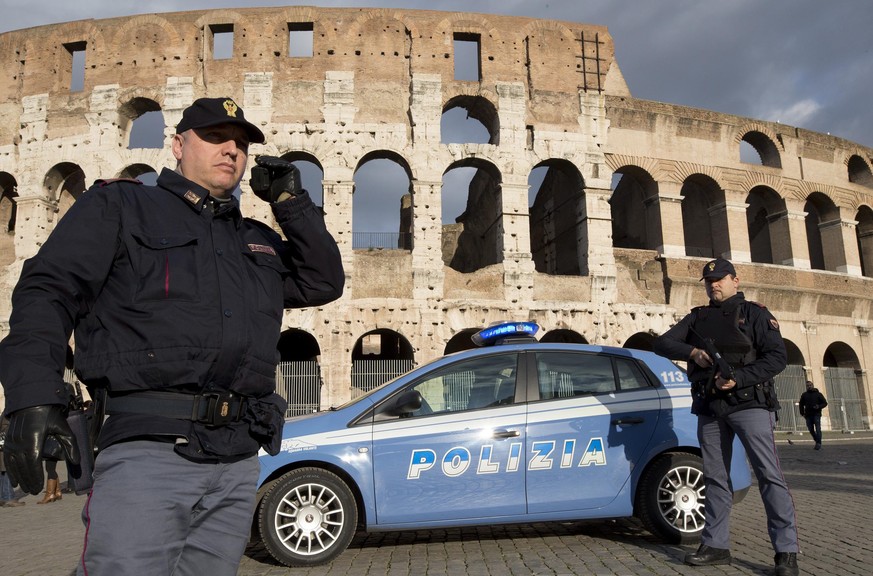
point(844, 384)
point(703, 217)
point(297, 345)
point(563, 336)
point(144, 36)
point(795, 355)
point(369, 15)
point(378, 192)
point(476, 240)
point(378, 356)
point(461, 341)
point(478, 108)
point(138, 171)
point(132, 111)
point(132, 23)
point(63, 184)
point(636, 221)
point(311, 173)
point(764, 141)
point(765, 221)
point(864, 235)
point(558, 234)
point(825, 250)
point(859, 170)
point(641, 341)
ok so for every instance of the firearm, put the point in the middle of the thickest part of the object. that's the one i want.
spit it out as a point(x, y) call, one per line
point(720, 365)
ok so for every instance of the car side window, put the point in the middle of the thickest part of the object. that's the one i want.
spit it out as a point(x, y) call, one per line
point(630, 377)
point(469, 385)
point(564, 375)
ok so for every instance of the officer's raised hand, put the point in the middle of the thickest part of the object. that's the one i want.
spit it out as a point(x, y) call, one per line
point(274, 179)
point(28, 430)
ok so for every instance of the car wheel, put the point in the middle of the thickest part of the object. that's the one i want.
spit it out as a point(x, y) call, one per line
point(307, 517)
point(670, 498)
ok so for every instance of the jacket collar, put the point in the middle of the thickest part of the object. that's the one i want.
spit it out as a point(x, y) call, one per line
point(194, 195)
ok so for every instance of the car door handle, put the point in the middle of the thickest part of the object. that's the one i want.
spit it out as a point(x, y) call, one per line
point(627, 421)
point(506, 434)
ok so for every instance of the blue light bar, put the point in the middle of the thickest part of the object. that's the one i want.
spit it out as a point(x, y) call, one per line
point(490, 335)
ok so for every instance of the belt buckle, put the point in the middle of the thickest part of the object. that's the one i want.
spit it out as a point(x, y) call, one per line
point(219, 408)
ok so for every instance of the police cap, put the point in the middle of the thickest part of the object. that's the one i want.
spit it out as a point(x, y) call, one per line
point(205, 112)
point(717, 269)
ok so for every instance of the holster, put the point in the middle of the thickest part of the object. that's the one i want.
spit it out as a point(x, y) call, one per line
point(85, 424)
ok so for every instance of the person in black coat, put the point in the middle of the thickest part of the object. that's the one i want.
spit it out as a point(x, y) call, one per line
point(177, 301)
point(734, 397)
point(811, 403)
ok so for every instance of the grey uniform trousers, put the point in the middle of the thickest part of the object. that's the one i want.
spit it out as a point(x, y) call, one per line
point(754, 427)
point(152, 512)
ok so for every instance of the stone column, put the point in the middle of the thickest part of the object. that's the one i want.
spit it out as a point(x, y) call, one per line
point(517, 260)
point(600, 265)
point(840, 246)
point(788, 236)
point(338, 219)
point(427, 253)
point(730, 230)
point(426, 108)
point(35, 220)
point(664, 219)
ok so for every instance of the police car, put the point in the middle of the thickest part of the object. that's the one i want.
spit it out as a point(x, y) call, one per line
point(518, 432)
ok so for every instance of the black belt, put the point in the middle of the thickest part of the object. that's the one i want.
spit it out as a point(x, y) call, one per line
point(213, 408)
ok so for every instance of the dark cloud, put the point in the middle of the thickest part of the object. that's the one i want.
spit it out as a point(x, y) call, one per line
point(802, 62)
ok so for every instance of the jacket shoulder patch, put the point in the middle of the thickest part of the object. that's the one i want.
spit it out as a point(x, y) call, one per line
point(263, 249)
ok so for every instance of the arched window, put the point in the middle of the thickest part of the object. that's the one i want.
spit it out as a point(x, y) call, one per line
point(558, 220)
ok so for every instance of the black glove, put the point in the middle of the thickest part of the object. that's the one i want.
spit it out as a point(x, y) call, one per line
point(273, 177)
point(29, 428)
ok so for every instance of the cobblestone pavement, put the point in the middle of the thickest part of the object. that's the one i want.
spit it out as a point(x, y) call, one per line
point(833, 490)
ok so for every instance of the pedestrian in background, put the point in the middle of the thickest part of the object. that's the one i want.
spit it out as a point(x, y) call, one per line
point(740, 404)
point(811, 403)
point(7, 492)
point(177, 302)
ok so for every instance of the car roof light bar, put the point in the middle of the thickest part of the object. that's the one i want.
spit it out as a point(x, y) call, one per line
point(498, 333)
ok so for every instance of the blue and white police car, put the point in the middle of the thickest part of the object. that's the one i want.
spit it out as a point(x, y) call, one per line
point(519, 432)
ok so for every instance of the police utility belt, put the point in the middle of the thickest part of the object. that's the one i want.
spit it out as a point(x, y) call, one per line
point(211, 409)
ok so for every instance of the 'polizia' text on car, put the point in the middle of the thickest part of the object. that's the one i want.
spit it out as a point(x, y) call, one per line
point(518, 432)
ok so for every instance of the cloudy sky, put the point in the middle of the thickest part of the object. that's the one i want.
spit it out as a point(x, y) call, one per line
point(807, 63)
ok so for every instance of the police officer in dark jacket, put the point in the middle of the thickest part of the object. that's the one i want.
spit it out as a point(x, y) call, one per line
point(811, 403)
point(740, 403)
point(176, 301)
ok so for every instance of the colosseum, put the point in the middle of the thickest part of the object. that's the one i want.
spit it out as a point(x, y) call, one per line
point(580, 207)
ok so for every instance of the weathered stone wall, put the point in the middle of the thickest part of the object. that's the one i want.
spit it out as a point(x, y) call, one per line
point(378, 82)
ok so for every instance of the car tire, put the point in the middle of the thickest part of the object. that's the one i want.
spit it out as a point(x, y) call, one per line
point(670, 498)
point(307, 517)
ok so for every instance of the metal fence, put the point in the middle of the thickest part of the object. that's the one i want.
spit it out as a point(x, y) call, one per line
point(381, 240)
point(790, 384)
point(368, 374)
point(300, 384)
point(846, 405)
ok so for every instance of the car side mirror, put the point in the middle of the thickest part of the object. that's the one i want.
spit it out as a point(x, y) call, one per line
point(406, 403)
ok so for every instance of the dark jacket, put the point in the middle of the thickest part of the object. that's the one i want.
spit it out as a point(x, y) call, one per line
point(754, 368)
point(812, 402)
point(165, 295)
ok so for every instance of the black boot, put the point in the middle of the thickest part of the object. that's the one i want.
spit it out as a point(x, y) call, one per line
point(707, 556)
point(786, 564)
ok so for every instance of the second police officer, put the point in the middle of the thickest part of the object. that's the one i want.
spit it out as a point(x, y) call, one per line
point(739, 404)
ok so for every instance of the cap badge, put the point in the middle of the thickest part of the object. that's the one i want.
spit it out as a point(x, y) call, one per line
point(231, 108)
point(711, 266)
